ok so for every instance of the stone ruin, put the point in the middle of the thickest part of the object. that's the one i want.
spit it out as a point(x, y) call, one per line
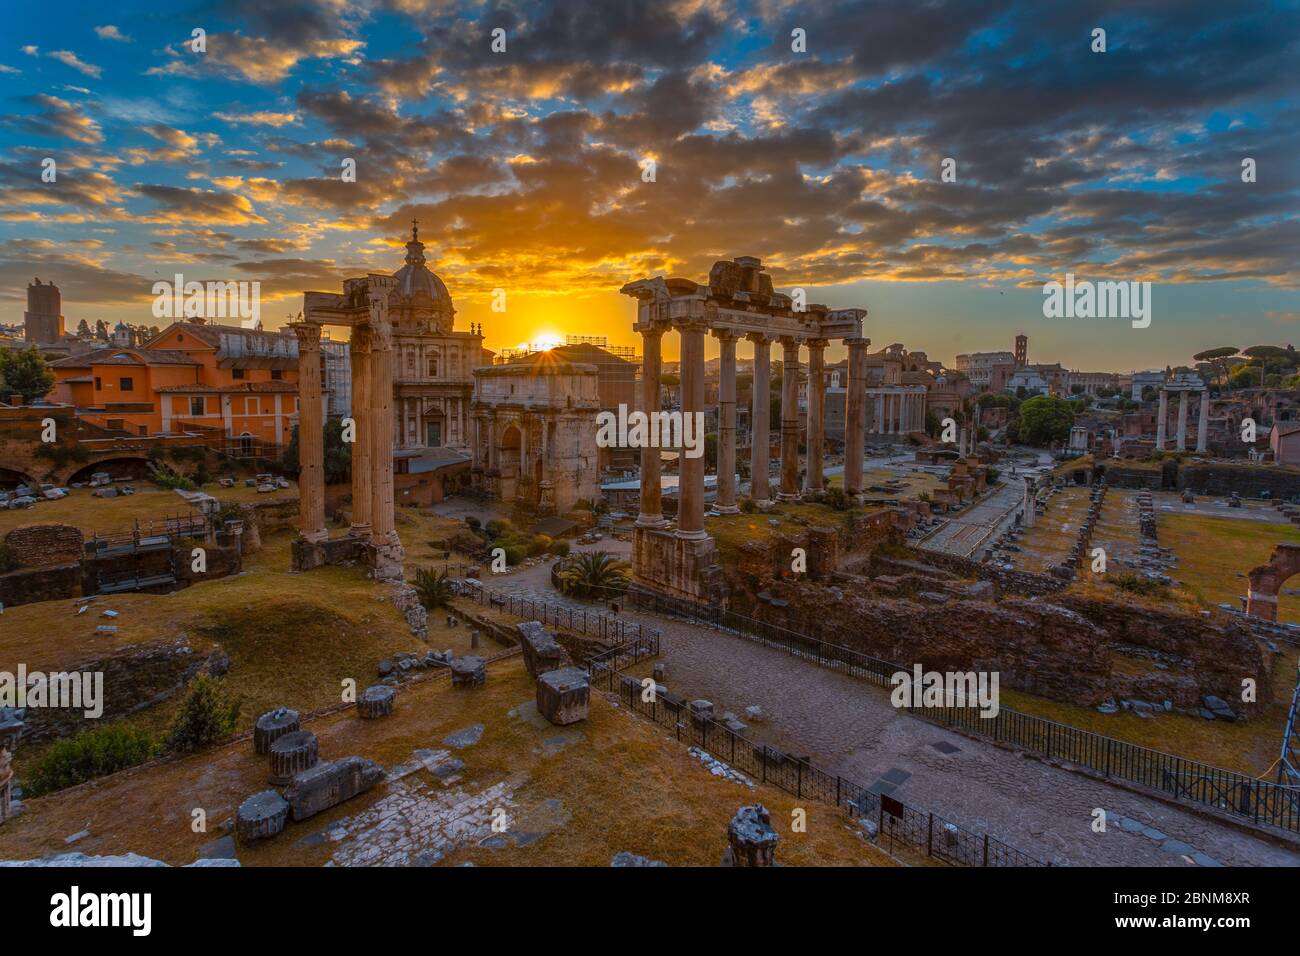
point(468, 671)
point(6, 785)
point(376, 701)
point(563, 696)
point(261, 816)
point(273, 725)
point(291, 754)
point(751, 839)
point(542, 652)
point(330, 783)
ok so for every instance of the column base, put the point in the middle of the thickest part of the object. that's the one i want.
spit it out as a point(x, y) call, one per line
point(314, 537)
point(651, 521)
point(691, 535)
point(788, 496)
point(727, 509)
point(359, 531)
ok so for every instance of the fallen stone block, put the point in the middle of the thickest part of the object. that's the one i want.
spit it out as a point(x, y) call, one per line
point(631, 859)
point(468, 672)
point(751, 838)
point(260, 816)
point(563, 696)
point(542, 652)
point(330, 783)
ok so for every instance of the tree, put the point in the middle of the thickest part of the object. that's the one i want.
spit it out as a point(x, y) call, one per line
point(24, 371)
point(1217, 359)
point(83, 330)
point(337, 457)
point(433, 589)
point(1044, 420)
point(592, 573)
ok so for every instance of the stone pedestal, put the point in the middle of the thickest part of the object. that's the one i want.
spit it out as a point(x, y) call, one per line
point(541, 651)
point(260, 816)
point(679, 567)
point(751, 838)
point(291, 754)
point(468, 672)
point(271, 726)
point(563, 696)
point(376, 701)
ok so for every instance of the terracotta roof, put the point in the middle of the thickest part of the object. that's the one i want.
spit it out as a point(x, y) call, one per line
point(124, 356)
point(285, 388)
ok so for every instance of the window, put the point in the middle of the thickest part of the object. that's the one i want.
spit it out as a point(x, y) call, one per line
point(433, 366)
point(237, 373)
point(410, 361)
point(126, 384)
point(277, 374)
point(99, 386)
point(250, 406)
point(196, 406)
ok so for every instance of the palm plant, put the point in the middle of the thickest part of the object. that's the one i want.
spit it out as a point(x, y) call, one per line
point(590, 573)
point(433, 588)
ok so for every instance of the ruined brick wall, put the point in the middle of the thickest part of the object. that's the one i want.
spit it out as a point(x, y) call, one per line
point(50, 583)
point(40, 545)
point(1027, 583)
point(1249, 481)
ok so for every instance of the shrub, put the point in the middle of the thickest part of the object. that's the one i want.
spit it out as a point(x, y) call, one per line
point(497, 526)
point(92, 753)
point(1137, 584)
point(747, 506)
point(8, 559)
point(433, 588)
point(207, 717)
point(538, 545)
point(515, 554)
point(473, 522)
point(593, 573)
point(559, 547)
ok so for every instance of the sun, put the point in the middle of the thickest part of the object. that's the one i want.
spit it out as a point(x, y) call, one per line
point(547, 341)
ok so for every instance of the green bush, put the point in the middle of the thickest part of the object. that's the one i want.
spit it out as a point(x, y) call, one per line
point(538, 545)
point(473, 522)
point(433, 588)
point(92, 753)
point(559, 547)
point(747, 506)
point(515, 554)
point(1137, 584)
point(497, 526)
point(207, 717)
point(8, 559)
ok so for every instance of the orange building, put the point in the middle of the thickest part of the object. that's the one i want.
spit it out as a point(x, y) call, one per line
point(233, 383)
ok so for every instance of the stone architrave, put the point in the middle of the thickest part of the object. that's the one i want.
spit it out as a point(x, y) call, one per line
point(751, 838)
point(330, 783)
point(541, 651)
point(261, 816)
point(271, 726)
point(563, 696)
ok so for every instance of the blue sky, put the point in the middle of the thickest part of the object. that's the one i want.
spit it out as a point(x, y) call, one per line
point(524, 166)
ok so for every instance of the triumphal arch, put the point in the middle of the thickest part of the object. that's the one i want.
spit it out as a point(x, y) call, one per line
point(737, 302)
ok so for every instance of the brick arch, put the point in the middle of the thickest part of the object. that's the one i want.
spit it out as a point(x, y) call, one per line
point(135, 467)
point(1267, 580)
point(15, 476)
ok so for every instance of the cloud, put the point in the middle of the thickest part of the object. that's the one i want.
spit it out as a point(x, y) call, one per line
point(258, 118)
point(68, 58)
point(110, 32)
point(57, 119)
point(205, 206)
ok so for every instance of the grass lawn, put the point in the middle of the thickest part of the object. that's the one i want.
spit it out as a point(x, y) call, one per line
point(732, 531)
point(571, 796)
point(1215, 554)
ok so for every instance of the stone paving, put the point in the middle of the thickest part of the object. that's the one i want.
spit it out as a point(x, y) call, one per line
point(850, 728)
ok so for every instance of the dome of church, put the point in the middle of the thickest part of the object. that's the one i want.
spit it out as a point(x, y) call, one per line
point(415, 277)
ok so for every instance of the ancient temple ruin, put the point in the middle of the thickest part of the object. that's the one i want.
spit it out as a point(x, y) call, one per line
point(737, 302)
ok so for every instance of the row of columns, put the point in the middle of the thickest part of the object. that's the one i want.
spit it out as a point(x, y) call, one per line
point(690, 513)
point(896, 412)
point(373, 418)
point(1202, 425)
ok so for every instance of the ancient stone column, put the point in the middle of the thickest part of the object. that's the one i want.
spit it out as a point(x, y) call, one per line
point(751, 838)
point(1203, 423)
point(816, 413)
point(879, 424)
point(362, 478)
point(652, 512)
point(382, 527)
point(690, 482)
point(1029, 503)
point(759, 418)
point(1182, 420)
point(854, 408)
point(789, 420)
point(1161, 417)
point(726, 498)
point(905, 413)
point(311, 437)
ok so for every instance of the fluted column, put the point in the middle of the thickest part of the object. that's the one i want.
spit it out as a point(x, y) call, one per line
point(854, 407)
point(878, 425)
point(382, 527)
point(726, 498)
point(1161, 416)
point(760, 444)
point(1182, 420)
point(1203, 423)
point(311, 438)
point(816, 413)
point(789, 420)
point(651, 515)
point(360, 347)
point(690, 485)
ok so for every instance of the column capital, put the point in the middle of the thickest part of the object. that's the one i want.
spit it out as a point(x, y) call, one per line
point(790, 342)
point(857, 342)
point(725, 335)
point(308, 334)
point(691, 323)
point(758, 338)
point(654, 330)
point(817, 344)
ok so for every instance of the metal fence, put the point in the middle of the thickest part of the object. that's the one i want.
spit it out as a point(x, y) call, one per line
point(1259, 801)
point(592, 623)
point(895, 822)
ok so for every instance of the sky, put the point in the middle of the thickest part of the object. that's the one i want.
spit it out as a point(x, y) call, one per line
point(527, 168)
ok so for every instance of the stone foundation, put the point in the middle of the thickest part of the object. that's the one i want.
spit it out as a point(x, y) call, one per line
point(677, 567)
